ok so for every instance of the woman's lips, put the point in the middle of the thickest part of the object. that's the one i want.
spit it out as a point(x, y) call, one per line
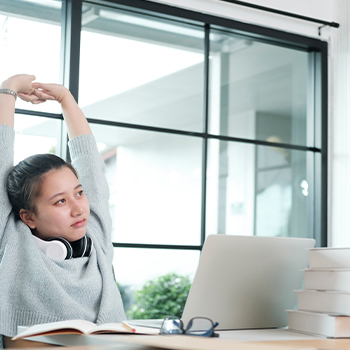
point(79, 223)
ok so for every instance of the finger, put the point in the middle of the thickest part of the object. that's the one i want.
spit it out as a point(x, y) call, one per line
point(24, 94)
point(36, 102)
point(42, 94)
point(23, 97)
point(41, 86)
point(31, 98)
point(27, 97)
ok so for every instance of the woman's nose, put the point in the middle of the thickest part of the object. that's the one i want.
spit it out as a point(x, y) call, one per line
point(76, 209)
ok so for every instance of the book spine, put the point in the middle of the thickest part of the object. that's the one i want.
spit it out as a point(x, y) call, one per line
point(312, 323)
point(329, 258)
point(323, 301)
point(327, 279)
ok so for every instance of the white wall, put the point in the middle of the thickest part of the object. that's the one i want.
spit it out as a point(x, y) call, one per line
point(339, 94)
point(339, 129)
point(311, 8)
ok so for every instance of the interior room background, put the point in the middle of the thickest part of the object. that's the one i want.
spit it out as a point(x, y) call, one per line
point(211, 117)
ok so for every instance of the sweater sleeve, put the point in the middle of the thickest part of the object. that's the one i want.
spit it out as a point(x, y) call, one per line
point(90, 167)
point(7, 137)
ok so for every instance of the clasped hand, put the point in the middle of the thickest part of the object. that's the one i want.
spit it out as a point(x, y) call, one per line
point(43, 92)
point(34, 92)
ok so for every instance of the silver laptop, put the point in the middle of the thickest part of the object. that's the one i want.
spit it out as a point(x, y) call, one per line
point(247, 282)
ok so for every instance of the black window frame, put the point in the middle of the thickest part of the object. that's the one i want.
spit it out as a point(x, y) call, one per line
point(70, 56)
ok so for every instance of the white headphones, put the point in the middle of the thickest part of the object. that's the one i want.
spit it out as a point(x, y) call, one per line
point(58, 248)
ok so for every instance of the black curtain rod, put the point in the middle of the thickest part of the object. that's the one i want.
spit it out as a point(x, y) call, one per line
point(283, 13)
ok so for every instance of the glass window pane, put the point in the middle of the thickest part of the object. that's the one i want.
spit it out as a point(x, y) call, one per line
point(30, 39)
point(149, 264)
point(142, 70)
point(258, 190)
point(259, 91)
point(155, 183)
point(36, 135)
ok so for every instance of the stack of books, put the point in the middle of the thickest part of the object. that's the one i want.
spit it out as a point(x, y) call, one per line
point(324, 303)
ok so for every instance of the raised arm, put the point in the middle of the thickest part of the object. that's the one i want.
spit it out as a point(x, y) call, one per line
point(72, 114)
point(10, 87)
point(17, 84)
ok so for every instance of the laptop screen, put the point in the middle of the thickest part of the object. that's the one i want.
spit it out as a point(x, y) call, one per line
point(247, 282)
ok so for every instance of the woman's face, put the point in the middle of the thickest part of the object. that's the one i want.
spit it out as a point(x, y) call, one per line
point(62, 209)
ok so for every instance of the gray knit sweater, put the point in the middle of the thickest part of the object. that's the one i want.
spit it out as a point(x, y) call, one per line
point(36, 289)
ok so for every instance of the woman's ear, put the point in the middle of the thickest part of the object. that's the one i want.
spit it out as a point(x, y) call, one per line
point(28, 218)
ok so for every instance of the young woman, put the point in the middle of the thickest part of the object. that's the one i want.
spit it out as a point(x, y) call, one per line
point(41, 199)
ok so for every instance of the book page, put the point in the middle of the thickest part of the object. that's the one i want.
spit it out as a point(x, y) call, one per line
point(81, 327)
point(70, 326)
point(120, 328)
point(109, 328)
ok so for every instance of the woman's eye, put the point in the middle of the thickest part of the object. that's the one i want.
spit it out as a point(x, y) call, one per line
point(80, 193)
point(60, 201)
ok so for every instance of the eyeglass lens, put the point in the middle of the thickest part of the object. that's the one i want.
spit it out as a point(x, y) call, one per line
point(199, 326)
point(172, 325)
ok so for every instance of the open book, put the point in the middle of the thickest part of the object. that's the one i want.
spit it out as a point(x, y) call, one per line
point(82, 327)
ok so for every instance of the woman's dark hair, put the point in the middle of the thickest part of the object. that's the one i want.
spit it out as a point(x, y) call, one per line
point(24, 180)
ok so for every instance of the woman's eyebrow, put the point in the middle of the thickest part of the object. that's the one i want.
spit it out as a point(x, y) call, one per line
point(62, 193)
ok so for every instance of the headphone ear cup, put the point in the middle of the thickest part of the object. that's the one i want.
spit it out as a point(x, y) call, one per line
point(66, 248)
point(55, 249)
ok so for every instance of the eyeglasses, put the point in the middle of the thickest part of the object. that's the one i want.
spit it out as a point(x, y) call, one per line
point(200, 326)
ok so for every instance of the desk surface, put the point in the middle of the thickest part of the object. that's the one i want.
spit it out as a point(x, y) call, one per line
point(266, 339)
point(261, 339)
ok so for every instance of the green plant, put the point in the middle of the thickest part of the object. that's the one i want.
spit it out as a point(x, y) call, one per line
point(161, 297)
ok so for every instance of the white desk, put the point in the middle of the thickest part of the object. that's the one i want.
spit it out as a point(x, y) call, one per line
point(264, 335)
point(260, 339)
point(267, 339)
